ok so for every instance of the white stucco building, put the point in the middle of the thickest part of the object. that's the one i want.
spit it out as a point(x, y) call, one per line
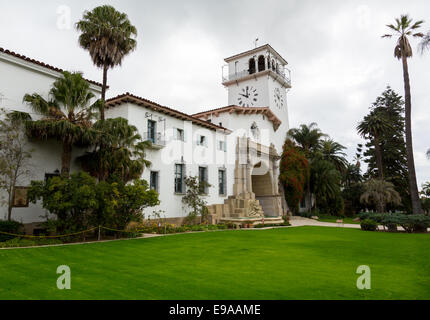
point(235, 148)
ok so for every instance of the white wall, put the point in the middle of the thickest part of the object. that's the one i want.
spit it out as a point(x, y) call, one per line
point(17, 78)
point(163, 160)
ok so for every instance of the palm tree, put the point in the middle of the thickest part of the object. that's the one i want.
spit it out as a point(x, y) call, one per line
point(308, 139)
point(66, 116)
point(109, 36)
point(425, 43)
point(332, 151)
point(426, 189)
point(405, 28)
point(326, 180)
point(119, 151)
point(380, 193)
point(373, 126)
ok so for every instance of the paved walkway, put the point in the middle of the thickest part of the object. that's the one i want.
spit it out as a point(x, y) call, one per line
point(300, 222)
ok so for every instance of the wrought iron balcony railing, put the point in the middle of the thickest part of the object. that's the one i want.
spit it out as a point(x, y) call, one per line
point(157, 140)
point(238, 75)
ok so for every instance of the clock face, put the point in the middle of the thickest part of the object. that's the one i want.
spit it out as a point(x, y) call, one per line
point(279, 100)
point(247, 97)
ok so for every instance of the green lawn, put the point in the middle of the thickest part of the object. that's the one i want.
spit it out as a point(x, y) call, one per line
point(291, 263)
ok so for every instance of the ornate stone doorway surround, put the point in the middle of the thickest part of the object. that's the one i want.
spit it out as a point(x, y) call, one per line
point(256, 198)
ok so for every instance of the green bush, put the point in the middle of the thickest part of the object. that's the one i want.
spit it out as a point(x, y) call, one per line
point(410, 223)
point(377, 217)
point(81, 202)
point(415, 223)
point(369, 225)
point(9, 227)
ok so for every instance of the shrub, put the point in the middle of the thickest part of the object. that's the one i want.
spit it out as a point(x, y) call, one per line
point(411, 223)
point(377, 217)
point(369, 225)
point(194, 199)
point(9, 227)
point(80, 202)
point(415, 223)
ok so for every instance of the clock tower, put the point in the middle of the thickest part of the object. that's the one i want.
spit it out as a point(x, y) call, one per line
point(260, 78)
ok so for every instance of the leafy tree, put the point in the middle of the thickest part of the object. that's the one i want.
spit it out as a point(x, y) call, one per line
point(108, 36)
point(352, 189)
point(390, 107)
point(373, 127)
point(405, 28)
point(332, 151)
point(118, 151)
point(194, 199)
point(72, 200)
point(66, 116)
point(79, 202)
point(294, 170)
point(15, 157)
point(325, 181)
point(380, 193)
point(308, 139)
point(122, 203)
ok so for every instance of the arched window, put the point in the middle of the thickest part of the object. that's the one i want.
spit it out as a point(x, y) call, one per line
point(273, 65)
point(268, 63)
point(252, 66)
point(261, 64)
point(277, 67)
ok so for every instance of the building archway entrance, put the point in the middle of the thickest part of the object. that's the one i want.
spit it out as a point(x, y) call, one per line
point(256, 196)
point(262, 187)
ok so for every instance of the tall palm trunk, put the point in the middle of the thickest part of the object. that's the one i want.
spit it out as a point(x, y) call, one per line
point(416, 202)
point(66, 158)
point(104, 87)
point(378, 157)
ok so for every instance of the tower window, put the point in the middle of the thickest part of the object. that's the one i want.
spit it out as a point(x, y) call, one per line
point(261, 64)
point(273, 65)
point(252, 66)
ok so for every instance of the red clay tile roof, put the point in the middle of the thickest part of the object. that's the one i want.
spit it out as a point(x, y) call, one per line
point(130, 98)
point(242, 110)
point(42, 64)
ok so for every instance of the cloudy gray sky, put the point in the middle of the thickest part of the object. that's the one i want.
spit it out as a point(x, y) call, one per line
point(339, 62)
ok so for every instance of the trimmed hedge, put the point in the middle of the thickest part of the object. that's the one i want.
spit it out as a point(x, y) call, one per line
point(369, 225)
point(411, 223)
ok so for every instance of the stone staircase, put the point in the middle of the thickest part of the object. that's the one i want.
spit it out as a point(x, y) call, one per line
point(241, 206)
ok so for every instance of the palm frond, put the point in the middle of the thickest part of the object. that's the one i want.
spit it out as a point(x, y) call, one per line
point(19, 116)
